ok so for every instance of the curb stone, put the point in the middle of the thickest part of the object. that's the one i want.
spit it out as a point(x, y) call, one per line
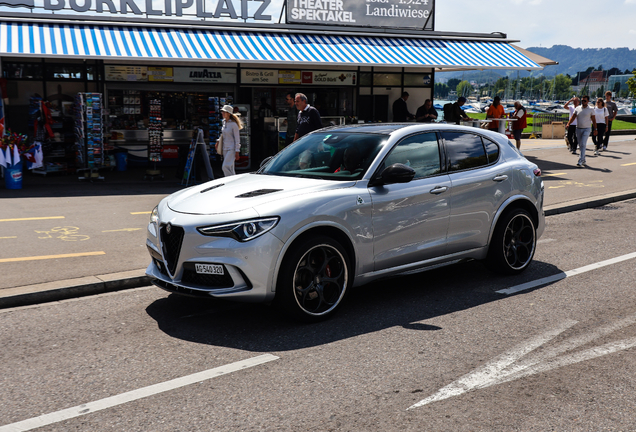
point(71, 288)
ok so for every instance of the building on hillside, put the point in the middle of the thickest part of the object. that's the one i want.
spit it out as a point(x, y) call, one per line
point(593, 82)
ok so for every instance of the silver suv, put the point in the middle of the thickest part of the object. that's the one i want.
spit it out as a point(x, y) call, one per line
point(347, 205)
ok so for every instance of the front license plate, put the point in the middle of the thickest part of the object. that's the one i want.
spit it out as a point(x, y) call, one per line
point(209, 269)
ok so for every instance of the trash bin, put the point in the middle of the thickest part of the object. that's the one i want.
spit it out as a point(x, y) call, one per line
point(13, 176)
point(122, 160)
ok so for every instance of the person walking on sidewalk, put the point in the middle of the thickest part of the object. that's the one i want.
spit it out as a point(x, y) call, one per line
point(571, 137)
point(231, 139)
point(585, 120)
point(612, 109)
point(308, 117)
point(521, 123)
point(601, 115)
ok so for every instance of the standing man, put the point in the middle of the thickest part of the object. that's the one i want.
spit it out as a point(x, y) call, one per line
point(400, 110)
point(572, 140)
point(453, 112)
point(292, 119)
point(308, 117)
point(496, 111)
point(613, 111)
point(585, 118)
point(426, 113)
point(521, 123)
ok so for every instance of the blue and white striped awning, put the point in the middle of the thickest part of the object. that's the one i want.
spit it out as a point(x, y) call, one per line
point(191, 44)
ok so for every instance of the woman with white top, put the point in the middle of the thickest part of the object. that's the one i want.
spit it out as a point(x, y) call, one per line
point(601, 113)
point(231, 139)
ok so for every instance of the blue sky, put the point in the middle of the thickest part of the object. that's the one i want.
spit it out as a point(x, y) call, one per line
point(580, 24)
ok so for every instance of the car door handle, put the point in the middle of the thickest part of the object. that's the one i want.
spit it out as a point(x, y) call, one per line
point(500, 178)
point(439, 189)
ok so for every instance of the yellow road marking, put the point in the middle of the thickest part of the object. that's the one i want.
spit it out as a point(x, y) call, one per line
point(8, 237)
point(32, 218)
point(45, 257)
point(633, 163)
point(125, 229)
point(551, 175)
point(135, 213)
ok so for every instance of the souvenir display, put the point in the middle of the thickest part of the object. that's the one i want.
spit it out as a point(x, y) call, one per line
point(155, 131)
point(89, 137)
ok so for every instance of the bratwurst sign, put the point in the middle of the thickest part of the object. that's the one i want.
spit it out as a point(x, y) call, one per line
point(363, 13)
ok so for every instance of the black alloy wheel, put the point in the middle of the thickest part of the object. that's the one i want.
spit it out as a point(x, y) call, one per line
point(314, 279)
point(513, 243)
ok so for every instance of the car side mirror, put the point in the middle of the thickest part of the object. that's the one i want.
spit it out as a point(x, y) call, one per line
point(396, 173)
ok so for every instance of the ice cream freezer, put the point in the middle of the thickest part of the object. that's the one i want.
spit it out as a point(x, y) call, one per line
point(175, 145)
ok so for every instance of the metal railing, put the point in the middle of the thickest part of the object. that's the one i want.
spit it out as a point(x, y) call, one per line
point(539, 119)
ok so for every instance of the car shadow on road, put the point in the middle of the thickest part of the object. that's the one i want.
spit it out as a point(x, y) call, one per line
point(405, 301)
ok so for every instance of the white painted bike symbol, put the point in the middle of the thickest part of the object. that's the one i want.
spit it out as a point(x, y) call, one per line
point(66, 233)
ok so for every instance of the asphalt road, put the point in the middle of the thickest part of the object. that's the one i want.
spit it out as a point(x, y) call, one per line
point(440, 351)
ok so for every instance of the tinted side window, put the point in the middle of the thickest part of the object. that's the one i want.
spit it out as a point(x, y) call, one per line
point(492, 150)
point(464, 151)
point(420, 152)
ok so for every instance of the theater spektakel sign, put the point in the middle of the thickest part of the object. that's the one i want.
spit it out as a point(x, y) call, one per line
point(363, 13)
point(414, 14)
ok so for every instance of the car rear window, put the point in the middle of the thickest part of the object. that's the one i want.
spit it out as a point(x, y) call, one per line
point(464, 150)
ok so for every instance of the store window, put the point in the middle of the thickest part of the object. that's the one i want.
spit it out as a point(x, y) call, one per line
point(65, 71)
point(22, 70)
point(387, 79)
point(417, 80)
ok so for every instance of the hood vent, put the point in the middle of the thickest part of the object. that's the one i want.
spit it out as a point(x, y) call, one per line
point(257, 193)
point(212, 187)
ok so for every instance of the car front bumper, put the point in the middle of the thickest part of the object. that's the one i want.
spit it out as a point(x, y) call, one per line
point(248, 267)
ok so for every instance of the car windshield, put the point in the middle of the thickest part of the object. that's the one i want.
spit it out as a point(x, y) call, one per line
point(328, 156)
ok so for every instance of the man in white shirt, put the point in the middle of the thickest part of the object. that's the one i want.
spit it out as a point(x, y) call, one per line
point(585, 117)
point(571, 137)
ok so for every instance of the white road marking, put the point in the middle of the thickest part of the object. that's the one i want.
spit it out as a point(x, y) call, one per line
point(506, 368)
point(490, 371)
point(133, 395)
point(546, 280)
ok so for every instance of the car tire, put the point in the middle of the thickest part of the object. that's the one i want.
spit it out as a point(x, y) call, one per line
point(513, 243)
point(314, 278)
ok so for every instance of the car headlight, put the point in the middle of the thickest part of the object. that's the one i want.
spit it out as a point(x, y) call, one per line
point(242, 231)
point(154, 216)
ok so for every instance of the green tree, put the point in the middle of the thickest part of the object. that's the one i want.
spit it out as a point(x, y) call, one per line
point(464, 88)
point(562, 87)
point(441, 91)
point(453, 82)
point(631, 83)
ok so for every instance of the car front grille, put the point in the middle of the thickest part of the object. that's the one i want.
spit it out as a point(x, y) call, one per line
point(190, 276)
point(171, 245)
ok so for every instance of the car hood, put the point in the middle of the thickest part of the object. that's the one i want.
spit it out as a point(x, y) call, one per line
point(241, 192)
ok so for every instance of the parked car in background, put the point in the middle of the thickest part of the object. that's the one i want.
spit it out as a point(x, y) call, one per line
point(347, 205)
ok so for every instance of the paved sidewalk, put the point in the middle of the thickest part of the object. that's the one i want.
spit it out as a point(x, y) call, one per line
point(609, 177)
